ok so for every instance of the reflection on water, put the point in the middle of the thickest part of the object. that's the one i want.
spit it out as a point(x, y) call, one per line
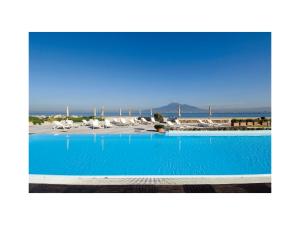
point(94, 138)
point(68, 142)
point(179, 144)
point(102, 143)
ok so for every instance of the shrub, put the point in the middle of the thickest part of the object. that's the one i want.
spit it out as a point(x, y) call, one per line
point(158, 117)
point(35, 120)
point(76, 119)
point(159, 126)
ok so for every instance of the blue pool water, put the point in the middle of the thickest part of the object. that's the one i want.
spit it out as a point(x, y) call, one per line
point(149, 154)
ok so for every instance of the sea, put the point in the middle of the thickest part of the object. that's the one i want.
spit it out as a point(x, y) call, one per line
point(168, 115)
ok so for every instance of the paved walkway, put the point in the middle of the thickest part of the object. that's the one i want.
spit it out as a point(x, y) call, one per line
point(47, 129)
point(220, 188)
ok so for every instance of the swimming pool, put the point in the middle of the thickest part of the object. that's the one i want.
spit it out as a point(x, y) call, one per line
point(149, 154)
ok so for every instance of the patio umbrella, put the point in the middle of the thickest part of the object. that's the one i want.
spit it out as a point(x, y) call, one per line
point(209, 111)
point(102, 111)
point(120, 112)
point(151, 112)
point(179, 111)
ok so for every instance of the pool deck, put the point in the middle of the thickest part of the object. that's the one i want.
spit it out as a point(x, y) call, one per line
point(150, 184)
point(47, 129)
point(219, 188)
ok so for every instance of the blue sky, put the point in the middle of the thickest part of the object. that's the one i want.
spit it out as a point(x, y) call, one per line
point(142, 70)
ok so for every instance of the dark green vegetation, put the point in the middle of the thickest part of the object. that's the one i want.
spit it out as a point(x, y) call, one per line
point(159, 126)
point(158, 117)
point(35, 120)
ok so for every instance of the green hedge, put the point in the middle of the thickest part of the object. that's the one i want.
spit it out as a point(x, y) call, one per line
point(158, 117)
point(159, 126)
point(35, 120)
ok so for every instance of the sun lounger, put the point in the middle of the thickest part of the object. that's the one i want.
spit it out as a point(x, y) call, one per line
point(120, 122)
point(132, 121)
point(136, 120)
point(107, 124)
point(153, 120)
point(60, 125)
point(124, 122)
point(217, 124)
point(85, 123)
point(170, 124)
point(204, 124)
point(114, 121)
point(95, 124)
point(177, 122)
point(144, 121)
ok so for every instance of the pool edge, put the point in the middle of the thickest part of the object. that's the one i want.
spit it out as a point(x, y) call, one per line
point(148, 180)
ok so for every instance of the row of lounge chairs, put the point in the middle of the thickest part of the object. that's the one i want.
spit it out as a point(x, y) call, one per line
point(201, 123)
point(94, 123)
point(67, 124)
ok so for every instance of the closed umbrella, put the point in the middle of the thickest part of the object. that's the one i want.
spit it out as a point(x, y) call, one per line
point(129, 112)
point(95, 113)
point(120, 112)
point(151, 112)
point(102, 111)
point(67, 112)
point(179, 111)
point(209, 111)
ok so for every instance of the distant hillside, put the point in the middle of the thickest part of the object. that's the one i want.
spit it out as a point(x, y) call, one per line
point(173, 108)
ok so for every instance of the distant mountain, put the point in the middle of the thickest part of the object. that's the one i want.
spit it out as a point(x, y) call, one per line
point(173, 108)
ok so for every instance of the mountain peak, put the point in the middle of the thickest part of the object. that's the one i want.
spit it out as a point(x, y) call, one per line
point(173, 108)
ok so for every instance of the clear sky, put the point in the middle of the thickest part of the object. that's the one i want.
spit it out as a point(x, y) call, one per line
point(142, 70)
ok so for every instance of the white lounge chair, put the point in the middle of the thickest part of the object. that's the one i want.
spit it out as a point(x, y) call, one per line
point(60, 125)
point(124, 122)
point(177, 122)
point(217, 124)
point(136, 120)
point(176, 125)
point(115, 121)
point(69, 122)
point(85, 123)
point(144, 121)
point(107, 124)
point(153, 120)
point(132, 121)
point(170, 124)
point(204, 124)
point(95, 124)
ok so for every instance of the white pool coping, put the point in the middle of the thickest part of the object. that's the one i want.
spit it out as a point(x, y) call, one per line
point(149, 180)
point(220, 133)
